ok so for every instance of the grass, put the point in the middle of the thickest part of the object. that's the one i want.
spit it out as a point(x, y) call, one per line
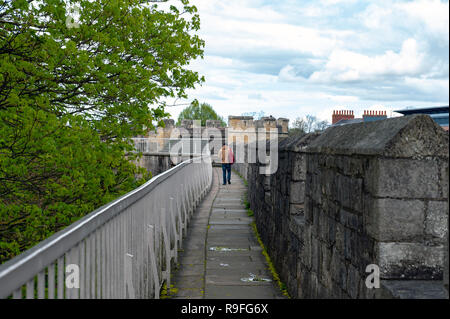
point(247, 207)
point(166, 294)
point(272, 269)
point(243, 179)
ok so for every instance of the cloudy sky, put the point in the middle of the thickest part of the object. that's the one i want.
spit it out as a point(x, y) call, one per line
point(290, 58)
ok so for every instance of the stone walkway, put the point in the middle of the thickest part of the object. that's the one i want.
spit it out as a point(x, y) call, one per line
point(221, 257)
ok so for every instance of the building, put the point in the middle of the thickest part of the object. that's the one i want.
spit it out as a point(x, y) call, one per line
point(438, 113)
point(347, 117)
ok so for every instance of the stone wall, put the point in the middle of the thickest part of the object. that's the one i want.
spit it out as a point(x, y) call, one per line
point(355, 195)
point(156, 164)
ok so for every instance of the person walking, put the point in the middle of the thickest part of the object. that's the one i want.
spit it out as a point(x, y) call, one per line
point(226, 157)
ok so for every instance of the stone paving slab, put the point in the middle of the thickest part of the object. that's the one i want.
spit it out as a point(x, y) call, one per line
point(242, 227)
point(188, 260)
point(246, 252)
point(227, 259)
point(191, 281)
point(232, 263)
point(239, 292)
point(221, 249)
point(228, 211)
point(235, 266)
point(228, 242)
point(237, 221)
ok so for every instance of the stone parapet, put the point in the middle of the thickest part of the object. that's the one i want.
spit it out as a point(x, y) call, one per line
point(362, 194)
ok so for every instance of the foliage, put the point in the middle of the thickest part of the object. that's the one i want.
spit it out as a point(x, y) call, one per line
point(202, 112)
point(71, 99)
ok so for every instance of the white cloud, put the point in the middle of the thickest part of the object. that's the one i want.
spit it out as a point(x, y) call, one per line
point(433, 13)
point(344, 66)
point(375, 16)
point(290, 58)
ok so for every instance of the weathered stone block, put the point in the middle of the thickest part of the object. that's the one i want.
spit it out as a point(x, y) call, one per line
point(340, 237)
point(444, 178)
point(303, 282)
point(334, 264)
point(297, 209)
point(356, 194)
point(446, 265)
point(314, 290)
point(315, 255)
point(308, 209)
point(306, 255)
point(325, 261)
point(316, 220)
point(350, 244)
point(331, 232)
point(437, 219)
point(336, 291)
point(353, 279)
point(342, 276)
point(396, 219)
point(297, 193)
point(297, 226)
point(407, 178)
point(350, 220)
point(410, 261)
point(299, 167)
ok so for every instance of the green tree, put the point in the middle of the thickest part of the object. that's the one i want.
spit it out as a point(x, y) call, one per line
point(298, 127)
point(321, 125)
point(306, 125)
point(201, 112)
point(72, 97)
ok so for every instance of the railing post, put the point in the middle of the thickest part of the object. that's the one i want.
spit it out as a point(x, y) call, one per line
point(51, 281)
point(83, 263)
point(72, 288)
point(41, 285)
point(185, 206)
point(61, 281)
point(166, 240)
point(128, 277)
point(151, 245)
point(174, 228)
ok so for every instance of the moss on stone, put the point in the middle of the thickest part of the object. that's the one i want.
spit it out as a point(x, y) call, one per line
point(272, 269)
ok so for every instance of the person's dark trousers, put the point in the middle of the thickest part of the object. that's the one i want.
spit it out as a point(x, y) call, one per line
point(226, 168)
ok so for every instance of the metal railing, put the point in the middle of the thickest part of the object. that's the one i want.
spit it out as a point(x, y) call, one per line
point(121, 250)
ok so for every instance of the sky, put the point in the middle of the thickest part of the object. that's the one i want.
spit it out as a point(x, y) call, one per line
point(291, 58)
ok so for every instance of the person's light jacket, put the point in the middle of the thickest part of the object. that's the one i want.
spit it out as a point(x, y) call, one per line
point(226, 155)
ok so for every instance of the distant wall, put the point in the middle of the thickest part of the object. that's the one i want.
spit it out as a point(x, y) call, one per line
point(360, 194)
point(156, 164)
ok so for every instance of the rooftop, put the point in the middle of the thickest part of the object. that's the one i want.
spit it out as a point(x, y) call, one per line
point(425, 110)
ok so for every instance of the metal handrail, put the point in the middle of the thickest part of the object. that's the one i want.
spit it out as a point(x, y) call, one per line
point(123, 249)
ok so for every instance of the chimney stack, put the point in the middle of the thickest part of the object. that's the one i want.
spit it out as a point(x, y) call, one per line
point(370, 115)
point(341, 115)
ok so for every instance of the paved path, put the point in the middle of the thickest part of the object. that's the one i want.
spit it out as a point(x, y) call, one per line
point(221, 257)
